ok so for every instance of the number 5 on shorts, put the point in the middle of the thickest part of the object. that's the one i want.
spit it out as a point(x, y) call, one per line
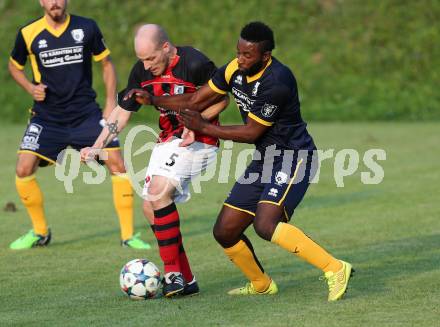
point(171, 160)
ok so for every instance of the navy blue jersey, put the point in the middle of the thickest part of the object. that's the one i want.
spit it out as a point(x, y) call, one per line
point(189, 70)
point(271, 98)
point(61, 59)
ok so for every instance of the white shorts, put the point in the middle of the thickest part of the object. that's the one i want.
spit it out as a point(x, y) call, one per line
point(181, 164)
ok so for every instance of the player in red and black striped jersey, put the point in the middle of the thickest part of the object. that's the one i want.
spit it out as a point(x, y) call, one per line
point(164, 69)
point(187, 70)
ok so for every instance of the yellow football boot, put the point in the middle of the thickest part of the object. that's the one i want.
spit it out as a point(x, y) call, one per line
point(338, 282)
point(249, 289)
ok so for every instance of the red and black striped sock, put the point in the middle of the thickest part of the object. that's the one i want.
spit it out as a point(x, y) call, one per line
point(167, 231)
point(184, 263)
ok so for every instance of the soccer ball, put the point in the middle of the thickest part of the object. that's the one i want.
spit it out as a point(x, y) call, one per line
point(140, 279)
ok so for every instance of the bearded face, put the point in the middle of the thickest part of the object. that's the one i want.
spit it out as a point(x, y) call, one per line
point(55, 9)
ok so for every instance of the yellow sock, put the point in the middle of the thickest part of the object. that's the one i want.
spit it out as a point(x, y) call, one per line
point(294, 240)
point(123, 200)
point(32, 198)
point(244, 259)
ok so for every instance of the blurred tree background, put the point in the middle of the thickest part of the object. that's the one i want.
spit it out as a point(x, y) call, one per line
point(354, 60)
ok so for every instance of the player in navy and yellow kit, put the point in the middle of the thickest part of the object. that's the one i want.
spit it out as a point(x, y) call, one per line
point(60, 48)
point(277, 178)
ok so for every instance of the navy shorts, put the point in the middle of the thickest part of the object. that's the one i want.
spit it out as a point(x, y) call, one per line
point(47, 139)
point(283, 183)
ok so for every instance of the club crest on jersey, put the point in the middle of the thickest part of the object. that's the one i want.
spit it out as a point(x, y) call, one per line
point(42, 44)
point(255, 89)
point(179, 89)
point(280, 178)
point(239, 80)
point(78, 35)
point(268, 110)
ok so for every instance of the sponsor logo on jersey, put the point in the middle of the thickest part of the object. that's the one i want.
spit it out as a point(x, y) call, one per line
point(30, 138)
point(242, 99)
point(78, 35)
point(42, 44)
point(179, 89)
point(238, 80)
point(280, 178)
point(60, 57)
point(255, 89)
point(273, 192)
point(268, 110)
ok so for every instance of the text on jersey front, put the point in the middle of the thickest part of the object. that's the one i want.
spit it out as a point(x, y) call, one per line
point(60, 57)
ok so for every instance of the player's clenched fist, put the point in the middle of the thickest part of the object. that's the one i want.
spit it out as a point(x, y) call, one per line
point(89, 153)
point(39, 92)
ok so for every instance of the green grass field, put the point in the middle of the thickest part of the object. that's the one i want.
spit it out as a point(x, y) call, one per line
point(390, 232)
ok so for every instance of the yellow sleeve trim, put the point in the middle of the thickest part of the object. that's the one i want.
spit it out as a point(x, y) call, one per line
point(16, 64)
point(231, 68)
point(258, 119)
point(239, 209)
point(102, 55)
point(215, 88)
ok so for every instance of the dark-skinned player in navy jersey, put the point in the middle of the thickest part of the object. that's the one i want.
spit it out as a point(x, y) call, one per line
point(277, 178)
point(164, 69)
point(60, 48)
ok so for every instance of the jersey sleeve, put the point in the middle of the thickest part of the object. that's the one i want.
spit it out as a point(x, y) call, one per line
point(19, 53)
point(133, 83)
point(202, 68)
point(99, 49)
point(268, 105)
point(218, 82)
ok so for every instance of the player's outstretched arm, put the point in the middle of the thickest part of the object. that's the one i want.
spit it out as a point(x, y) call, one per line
point(197, 101)
point(115, 123)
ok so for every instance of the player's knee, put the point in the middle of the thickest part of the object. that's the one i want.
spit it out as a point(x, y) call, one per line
point(24, 170)
point(116, 167)
point(264, 228)
point(220, 235)
point(224, 236)
point(159, 192)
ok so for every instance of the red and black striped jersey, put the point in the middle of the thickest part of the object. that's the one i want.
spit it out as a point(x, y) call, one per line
point(188, 70)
